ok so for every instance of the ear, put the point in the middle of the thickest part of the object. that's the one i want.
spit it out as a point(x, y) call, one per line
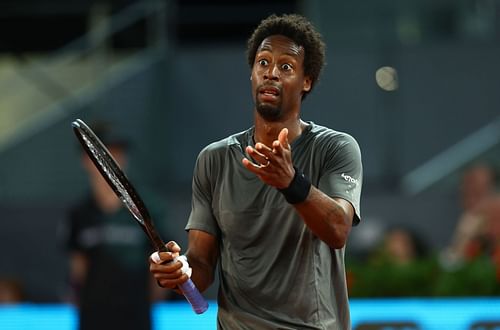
point(307, 84)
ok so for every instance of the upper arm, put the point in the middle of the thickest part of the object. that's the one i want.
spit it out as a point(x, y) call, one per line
point(343, 176)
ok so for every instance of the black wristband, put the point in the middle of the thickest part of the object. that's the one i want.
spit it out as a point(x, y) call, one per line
point(298, 190)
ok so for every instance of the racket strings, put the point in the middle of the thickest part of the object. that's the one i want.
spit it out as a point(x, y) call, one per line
point(123, 194)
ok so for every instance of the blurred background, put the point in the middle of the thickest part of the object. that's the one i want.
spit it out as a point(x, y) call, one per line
point(172, 76)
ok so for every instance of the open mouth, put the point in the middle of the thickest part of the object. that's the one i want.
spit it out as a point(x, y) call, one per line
point(269, 92)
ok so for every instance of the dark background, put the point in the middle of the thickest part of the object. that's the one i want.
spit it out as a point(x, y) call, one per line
point(188, 85)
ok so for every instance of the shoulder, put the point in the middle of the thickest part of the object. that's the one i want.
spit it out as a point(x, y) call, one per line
point(324, 135)
point(220, 147)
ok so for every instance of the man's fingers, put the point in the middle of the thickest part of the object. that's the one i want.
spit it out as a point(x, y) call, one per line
point(165, 269)
point(172, 246)
point(156, 258)
point(259, 153)
point(251, 166)
point(259, 156)
point(163, 257)
point(261, 147)
point(171, 283)
point(283, 138)
point(168, 272)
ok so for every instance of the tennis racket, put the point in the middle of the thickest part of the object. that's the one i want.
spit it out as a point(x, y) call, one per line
point(122, 187)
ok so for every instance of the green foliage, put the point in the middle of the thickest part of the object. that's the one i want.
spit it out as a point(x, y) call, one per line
point(422, 278)
point(476, 278)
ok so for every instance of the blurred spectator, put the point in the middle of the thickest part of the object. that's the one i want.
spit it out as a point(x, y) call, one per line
point(400, 245)
point(477, 185)
point(109, 274)
point(478, 228)
point(399, 266)
point(11, 291)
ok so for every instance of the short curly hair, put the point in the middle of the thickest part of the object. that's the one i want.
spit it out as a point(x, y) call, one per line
point(301, 31)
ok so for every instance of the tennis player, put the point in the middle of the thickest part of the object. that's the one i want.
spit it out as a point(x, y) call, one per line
point(273, 206)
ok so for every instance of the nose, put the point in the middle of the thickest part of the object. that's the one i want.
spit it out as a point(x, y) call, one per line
point(272, 73)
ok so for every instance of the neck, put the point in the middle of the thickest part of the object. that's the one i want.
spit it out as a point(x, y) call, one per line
point(267, 131)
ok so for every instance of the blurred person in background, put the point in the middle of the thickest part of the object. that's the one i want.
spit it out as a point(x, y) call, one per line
point(399, 265)
point(273, 205)
point(11, 291)
point(400, 245)
point(477, 232)
point(109, 278)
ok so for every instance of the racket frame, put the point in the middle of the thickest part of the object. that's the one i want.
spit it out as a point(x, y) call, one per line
point(81, 129)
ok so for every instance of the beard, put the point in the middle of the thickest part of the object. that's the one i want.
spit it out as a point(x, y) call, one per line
point(268, 111)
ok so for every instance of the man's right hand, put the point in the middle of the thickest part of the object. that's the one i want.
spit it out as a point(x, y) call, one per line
point(165, 270)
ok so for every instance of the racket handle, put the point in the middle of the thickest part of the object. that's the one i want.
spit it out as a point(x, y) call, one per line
point(194, 297)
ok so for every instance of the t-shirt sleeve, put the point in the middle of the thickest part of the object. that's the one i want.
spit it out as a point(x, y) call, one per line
point(343, 174)
point(202, 216)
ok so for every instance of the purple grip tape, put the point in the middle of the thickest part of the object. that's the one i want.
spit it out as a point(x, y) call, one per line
point(194, 297)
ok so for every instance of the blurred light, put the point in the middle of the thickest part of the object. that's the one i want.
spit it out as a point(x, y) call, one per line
point(387, 78)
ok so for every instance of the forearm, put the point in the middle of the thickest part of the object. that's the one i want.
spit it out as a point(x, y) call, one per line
point(203, 273)
point(329, 219)
point(202, 256)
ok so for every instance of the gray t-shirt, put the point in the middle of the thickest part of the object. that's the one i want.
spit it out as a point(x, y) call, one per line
point(274, 272)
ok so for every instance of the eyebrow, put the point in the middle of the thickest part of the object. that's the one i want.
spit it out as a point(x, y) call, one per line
point(289, 53)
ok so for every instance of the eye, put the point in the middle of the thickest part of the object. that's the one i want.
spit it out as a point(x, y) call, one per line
point(263, 62)
point(286, 67)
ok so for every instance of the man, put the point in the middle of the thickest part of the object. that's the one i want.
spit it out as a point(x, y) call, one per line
point(103, 240)
point(278, 239)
